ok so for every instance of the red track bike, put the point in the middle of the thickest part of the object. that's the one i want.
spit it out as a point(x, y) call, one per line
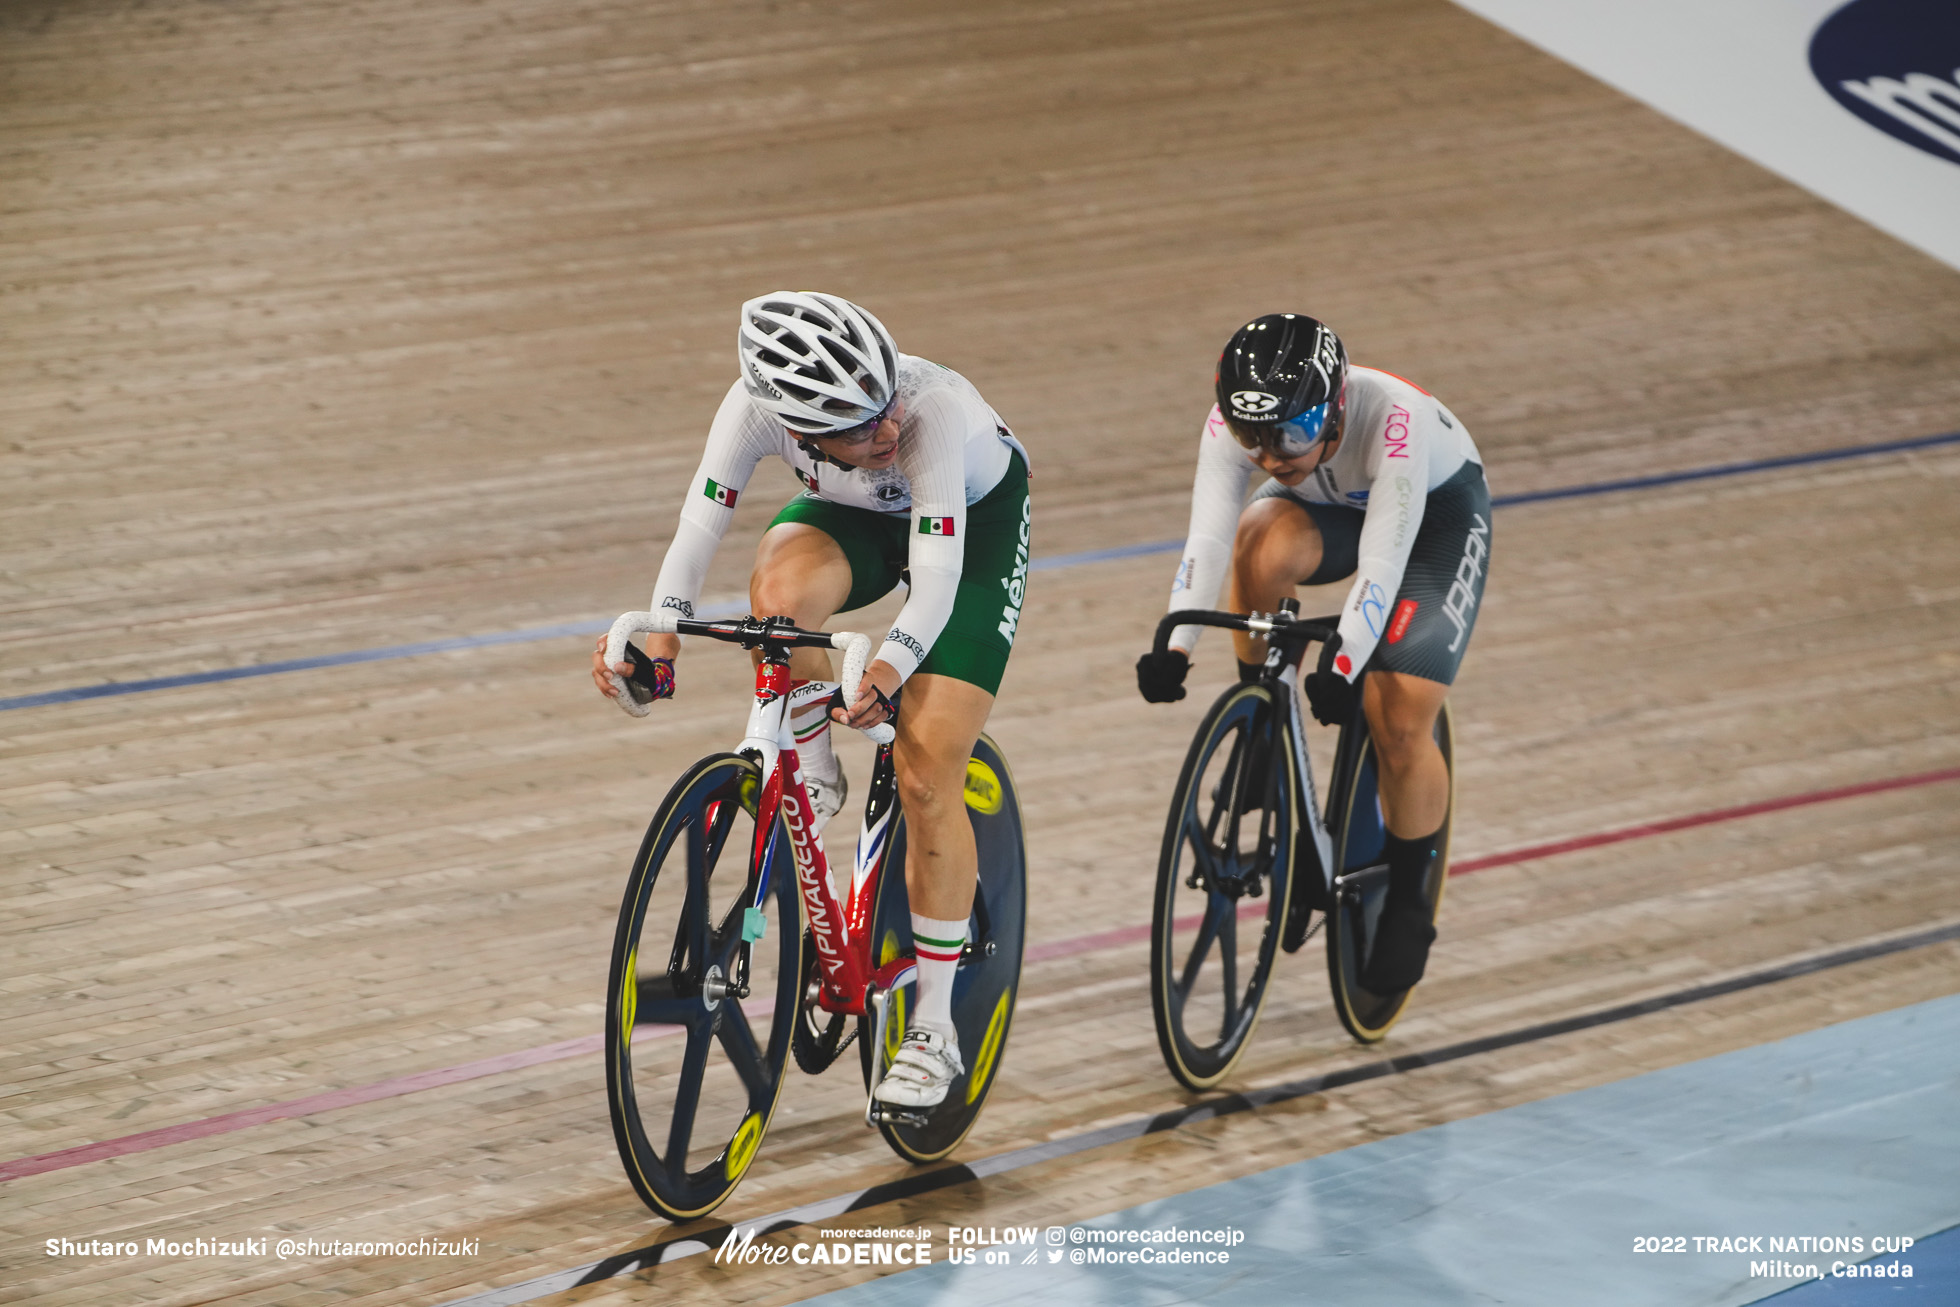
point(735, 954)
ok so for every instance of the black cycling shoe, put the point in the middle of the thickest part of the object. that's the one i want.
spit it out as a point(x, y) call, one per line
point(1401, 949)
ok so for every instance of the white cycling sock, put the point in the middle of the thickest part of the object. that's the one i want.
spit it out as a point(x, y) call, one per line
point(936, 944)
point(809, 721)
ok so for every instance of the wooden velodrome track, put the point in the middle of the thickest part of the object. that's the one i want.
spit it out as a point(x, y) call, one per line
point(334, 327)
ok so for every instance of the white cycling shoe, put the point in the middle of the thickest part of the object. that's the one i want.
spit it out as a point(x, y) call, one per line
point(826, 797)
point(926, 1066)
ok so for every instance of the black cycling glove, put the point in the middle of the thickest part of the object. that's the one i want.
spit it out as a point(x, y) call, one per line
point(1331, 695)
point(1160, 676)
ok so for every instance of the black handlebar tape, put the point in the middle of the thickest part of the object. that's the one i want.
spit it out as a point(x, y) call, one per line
point(1320, 628)
point(1193, 617)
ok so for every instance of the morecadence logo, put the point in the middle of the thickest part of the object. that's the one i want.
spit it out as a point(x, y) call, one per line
point(1896, 64)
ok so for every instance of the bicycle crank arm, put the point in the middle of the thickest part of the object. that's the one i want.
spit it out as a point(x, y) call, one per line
point(1349, 885)
point(875, 998)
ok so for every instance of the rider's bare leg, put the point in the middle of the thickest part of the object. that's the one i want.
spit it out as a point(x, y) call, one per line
point(802, 574)
point(1415, 794)
point(1277, 544)
point(941, 719)
point(1415, 783)
point(937, 726)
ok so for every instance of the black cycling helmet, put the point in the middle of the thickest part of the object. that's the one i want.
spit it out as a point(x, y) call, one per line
point(1281, 383)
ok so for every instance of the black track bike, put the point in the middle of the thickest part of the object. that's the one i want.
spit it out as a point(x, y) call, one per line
point(1249, 857)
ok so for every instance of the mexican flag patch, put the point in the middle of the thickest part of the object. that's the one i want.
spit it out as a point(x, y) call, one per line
point(935, 526)
point(721, 494)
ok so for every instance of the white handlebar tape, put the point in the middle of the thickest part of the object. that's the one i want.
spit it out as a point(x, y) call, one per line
point(857, 652)
point(624, 628)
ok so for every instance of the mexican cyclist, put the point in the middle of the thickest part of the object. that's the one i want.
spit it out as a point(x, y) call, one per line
point(909, 477)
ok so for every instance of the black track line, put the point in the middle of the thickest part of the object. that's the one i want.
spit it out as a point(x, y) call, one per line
point(712, 1237)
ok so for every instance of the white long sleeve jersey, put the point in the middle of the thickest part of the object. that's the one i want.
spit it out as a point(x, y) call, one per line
point(952, 450)
point(1400, 443)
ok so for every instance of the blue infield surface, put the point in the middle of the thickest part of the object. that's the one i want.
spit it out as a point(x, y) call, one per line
point(1848, 1133)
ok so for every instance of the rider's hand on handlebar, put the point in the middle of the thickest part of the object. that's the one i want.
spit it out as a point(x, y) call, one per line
point(1160, 676)
point(1330, 694)
point(647, 678)
point(600, 670)
point(873, 702)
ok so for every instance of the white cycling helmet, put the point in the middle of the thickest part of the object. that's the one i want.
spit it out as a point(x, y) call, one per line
point(819, 363)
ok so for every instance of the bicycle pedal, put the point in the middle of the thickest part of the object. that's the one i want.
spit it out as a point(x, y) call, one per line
point(885, 1114)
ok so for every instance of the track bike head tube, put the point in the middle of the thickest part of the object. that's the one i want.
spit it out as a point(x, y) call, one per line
point(768, 713)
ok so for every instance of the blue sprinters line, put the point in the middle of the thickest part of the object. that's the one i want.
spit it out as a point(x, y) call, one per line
point(525, 636)
point(1724, 470)
point(1052, 562)
point(303, 664)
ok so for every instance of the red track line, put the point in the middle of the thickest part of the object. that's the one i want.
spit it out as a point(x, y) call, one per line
point(327, 1102)
point(585, 1045)
point(1102, 939)
point(1536, 851)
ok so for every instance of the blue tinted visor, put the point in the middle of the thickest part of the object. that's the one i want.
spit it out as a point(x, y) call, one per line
point(1300, 433)
point(1288, 439)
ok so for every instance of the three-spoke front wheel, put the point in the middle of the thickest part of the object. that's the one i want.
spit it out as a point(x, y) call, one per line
point(1222, 885)
point(693, 1065)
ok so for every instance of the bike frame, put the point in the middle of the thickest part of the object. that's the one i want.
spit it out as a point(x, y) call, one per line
point(850, 984)
point(1287, 638)
point(1281, 667)
point(840, 932)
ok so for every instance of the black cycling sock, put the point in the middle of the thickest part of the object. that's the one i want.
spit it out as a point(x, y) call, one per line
point(1249, 672)
point(1403, 933)
point(1408, 864)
